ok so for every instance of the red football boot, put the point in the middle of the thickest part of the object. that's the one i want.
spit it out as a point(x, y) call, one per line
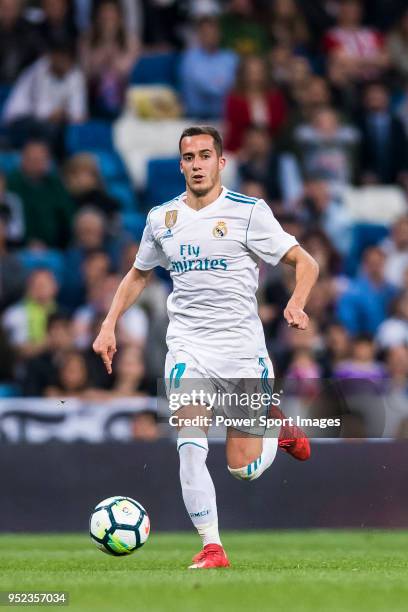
point(211, 556)
point(292, 439)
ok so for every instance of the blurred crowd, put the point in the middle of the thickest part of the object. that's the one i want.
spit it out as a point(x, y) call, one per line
point(311, 97)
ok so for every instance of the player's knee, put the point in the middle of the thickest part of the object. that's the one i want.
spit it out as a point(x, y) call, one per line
point(251, 471)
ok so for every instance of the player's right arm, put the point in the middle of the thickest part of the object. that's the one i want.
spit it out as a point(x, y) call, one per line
point(127, 293)
point(148, 257)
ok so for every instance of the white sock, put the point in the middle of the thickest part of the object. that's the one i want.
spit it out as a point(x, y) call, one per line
point(257, 467)
point(197, 486)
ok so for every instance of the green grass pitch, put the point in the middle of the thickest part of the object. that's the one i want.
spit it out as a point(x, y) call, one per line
point(296, 571)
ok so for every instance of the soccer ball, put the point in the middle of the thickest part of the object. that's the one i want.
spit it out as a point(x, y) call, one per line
point(119, 525)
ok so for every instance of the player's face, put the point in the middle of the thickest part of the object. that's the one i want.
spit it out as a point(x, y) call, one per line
point(200, 164)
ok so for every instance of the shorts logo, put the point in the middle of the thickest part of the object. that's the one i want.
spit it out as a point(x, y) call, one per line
point(220, 230)
point(171, 218)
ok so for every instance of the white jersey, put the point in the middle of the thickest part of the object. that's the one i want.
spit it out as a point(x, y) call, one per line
point(213, 256)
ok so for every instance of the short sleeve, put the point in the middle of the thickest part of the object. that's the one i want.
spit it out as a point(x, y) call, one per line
point(150, 253)
point(265, 236)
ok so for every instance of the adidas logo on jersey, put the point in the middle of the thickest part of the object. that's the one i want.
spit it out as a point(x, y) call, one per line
point(167, 234)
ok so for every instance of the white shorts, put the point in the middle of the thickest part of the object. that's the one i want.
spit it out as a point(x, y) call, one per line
point(229, 381)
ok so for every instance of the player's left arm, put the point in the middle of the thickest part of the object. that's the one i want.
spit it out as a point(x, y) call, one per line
point(307, 272)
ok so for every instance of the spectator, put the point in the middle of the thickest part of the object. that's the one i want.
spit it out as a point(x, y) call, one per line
point(394, 330)
point(84, 183)
point(365, 304)
point(131, 9)
point(11, 213)
point(133, 325)
point(94, 267)
point(320, 247)
point(286, 68)
point(338, 347)
point(241, 30)
point(57, 25)
point(254, 101)
point(345, 93)
point(47, 207)
point(397, 45)
point(26, 321)
point(90, 233)
point(305, 99)
point(299, 75)
point(362, 364)
point(292, 343)
point(47, 95)
point(320, 208)
point(327, 148)
point(129, 373)
point(204, 97)
point(304, 373)
point(89, 238)
point(259, 161)
point(19, 43)
point(395, 248)
point(384, 155)
point(12, 275)
point(72, 377)
point(40, 372)
point(287, 25)
point(108, 53)
point(361, 49)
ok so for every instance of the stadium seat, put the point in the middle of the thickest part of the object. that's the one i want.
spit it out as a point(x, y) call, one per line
point(134, 223)
point(9, 390)
point(110, 164)
point(123, 192)
point(363, 236)
point(156, 68)
point(9, 161)
point(49, 259)
point(89, 136)
point(164, 180)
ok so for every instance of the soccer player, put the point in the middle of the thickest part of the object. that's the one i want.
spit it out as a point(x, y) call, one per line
point(211, 240)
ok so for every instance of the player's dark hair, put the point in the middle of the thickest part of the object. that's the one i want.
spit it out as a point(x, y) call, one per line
point(207, 130)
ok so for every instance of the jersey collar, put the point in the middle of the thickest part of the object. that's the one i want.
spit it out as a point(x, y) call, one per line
point(211, 205)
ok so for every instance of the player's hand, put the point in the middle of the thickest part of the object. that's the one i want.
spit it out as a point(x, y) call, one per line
point(105, 346)
point(295, 316)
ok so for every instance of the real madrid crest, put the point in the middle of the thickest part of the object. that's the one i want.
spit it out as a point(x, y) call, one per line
point(220, 230)
point(171, 218)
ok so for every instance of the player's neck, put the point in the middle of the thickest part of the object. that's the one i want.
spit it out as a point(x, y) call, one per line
point(198, 202)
